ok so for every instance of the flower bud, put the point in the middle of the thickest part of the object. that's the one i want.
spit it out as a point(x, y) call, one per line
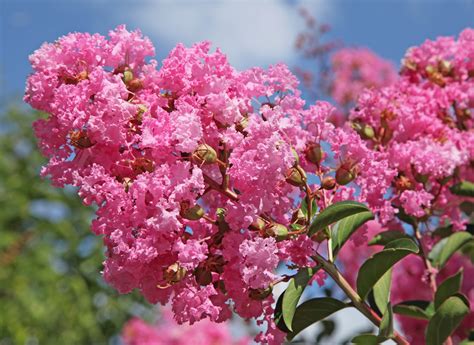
point(174, 273)
point(127, 183)
point(328, 183)
point(409, 65)
point(314, 153)
point(345, 174)
point(242, 125)
point(296, 176)
point(260, 294)
point(79, 139)
point(191, 213)
point(403, 183)
point(298, 217)
point(279, 231)
point(135, 85)
point(445, 67)
point(321, 235)
point(257, 225)
point(204, 154)
point(127, 76)
point(142, 164)
point(367, 132)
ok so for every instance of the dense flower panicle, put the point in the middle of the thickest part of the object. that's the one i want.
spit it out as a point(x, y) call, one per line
point(355, 69)
point(424, 122)
point(168, 332)
point(181, 160)
point(198, 171)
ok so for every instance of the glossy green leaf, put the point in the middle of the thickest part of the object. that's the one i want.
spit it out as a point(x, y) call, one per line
point(385, 237)
point(386, 324)
point(382, 291)
point(278, 315)
point(417, 309)
point(464, 188)
point(448, 288)
point(346, 227)
point(312, 311)
point(368, 339)
point(334, 213)
point(293, 293)
point(446, 319)
point(445, 248)
point(378, 264)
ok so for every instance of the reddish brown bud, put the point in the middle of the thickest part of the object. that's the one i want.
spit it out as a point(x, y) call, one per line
point(204, 154)
point(174, 273)
point(135, 85)
point(314, 153)
point(127, 183)
point(403, 183)
point(191, 213)
point(320, 236)
point(328, 183)
point(79, 139)
point(445, 67)
point(298, 217)
point(260, 294)
point(142, 164)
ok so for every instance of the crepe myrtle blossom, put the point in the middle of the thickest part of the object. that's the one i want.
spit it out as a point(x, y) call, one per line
point(196, 168)
point(202, 174)
point(356, 69)
point(424, 123)
point(167, 332)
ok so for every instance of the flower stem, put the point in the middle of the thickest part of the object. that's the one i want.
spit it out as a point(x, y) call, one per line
point(356, 300)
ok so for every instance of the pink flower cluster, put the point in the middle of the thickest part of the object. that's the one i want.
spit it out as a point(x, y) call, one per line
point(193, 167)
point(198, 170)
point(168, 332)
point(356, 69)
point(424, 123)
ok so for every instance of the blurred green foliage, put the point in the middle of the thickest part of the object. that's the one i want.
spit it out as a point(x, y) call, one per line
point(51, 291)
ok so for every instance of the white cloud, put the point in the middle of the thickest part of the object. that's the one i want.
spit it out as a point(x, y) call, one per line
point(249, 32)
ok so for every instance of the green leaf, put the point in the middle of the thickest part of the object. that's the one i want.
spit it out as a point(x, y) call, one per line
point(293, 293)
point(382, 291)
point(312, 311)
point(378, 264)
point(446, 319)
point(386, 324)
point(448, 288)
point(346, 227)
point(278, 315)
point(385, 237)
point(368, 339)
point(445, 248)
point(334, 213)
point(464, 188)
point(417, 309)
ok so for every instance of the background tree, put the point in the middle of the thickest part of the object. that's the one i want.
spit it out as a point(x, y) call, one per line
point(50, 292)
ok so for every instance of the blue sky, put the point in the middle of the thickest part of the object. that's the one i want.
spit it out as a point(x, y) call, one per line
point(254, 32)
